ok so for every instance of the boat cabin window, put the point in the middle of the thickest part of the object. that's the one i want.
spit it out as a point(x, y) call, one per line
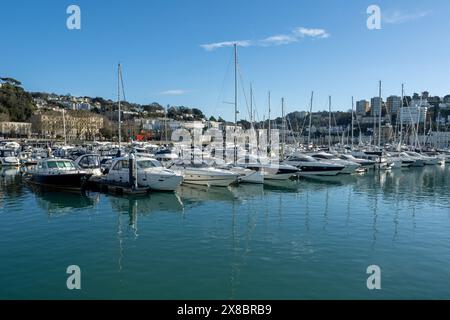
point(145, 164)
point(300, 158)
point(121, 164)
point(60, 165)
point(89, 162)
point(322, 156)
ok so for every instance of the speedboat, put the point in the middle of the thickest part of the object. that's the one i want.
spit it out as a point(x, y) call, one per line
point(350, 166)
point(270, 170)
point(90, 163)
point(150, 174)
point(8, 158)
point(202, 173)
point(58, 173)
point(166, 156)
point(365, 163)
point(309, 166)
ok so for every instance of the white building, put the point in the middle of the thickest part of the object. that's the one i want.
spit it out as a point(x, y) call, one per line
point(413, 115)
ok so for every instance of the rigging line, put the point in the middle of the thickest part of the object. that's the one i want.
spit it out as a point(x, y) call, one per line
point(243, 89)
point(219, 98)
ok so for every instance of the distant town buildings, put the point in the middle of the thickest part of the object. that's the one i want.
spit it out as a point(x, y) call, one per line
point(393, 104)
point(15, 129)
point(413, 115)
point(362, 107)
point(50, 124)
point(375, 106)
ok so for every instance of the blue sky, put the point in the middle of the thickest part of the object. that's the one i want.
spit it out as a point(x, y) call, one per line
point(160, 43)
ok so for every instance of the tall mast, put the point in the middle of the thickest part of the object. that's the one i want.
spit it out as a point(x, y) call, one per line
point(269, 131)
point(401, 117)
point(379, 119)
point(235, 101)
point(119, 75)
point(283, 128)
point(310, 118)
point(251, 104)
point(64, 126)
point(329, 122)
point(353, 104)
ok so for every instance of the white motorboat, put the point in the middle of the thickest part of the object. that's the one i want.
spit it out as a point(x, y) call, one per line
point(150, 174)
point(309, 166)
point(90, 163)
point(201, 173)
point(270, 170)
point(8, 158)
point(365, 163)
point(350, 166)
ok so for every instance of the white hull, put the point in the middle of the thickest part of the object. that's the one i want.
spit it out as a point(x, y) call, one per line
point(210, 181)
point(253, 177)
point(163, 183)
point(319, 173)
point(279, 176)
point(349, 169)
point(10, 162)
point(431, 162)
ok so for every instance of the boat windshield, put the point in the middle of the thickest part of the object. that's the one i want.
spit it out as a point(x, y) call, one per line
point(60, 165)
point(145, 164)
point(323, 156)
point(89, 162)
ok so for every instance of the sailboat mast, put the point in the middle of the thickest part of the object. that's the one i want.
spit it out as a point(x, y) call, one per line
point(310, 118)
point(119, 75)
point(235, 101)
point(251, 104)
point(269, 131)
point(329, 122)
point(64, 126)
point(353, 105)
point(401, 117)
point(379, 119)
point(283, 128)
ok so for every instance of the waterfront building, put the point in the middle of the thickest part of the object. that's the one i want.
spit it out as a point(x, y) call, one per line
point(393, 104)
point(362, 107)
point(15, 129)
point(413, 115)
point(375, 105)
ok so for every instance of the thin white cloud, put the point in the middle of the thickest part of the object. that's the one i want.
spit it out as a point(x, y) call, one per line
point(173, 92)
point(217, 45)
point(314, 33)
point(397, 17)
point(276, 40)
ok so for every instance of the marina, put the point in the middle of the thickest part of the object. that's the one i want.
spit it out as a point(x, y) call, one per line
point(225, 158)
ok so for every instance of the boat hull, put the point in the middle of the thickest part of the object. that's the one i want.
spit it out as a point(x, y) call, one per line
point(211, 181)
point(60, 181)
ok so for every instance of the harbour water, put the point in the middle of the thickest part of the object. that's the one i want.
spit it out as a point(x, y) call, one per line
point(310, 239)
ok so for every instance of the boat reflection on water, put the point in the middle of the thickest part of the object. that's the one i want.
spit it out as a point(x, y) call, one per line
point(9, 175)
point(148, 204)
point(339, 179)
point(281, 186)
point(198, 193)
point(64, 202)
point(10, 182)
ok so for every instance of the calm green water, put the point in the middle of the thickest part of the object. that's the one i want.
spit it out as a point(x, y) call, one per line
point(308, 240)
